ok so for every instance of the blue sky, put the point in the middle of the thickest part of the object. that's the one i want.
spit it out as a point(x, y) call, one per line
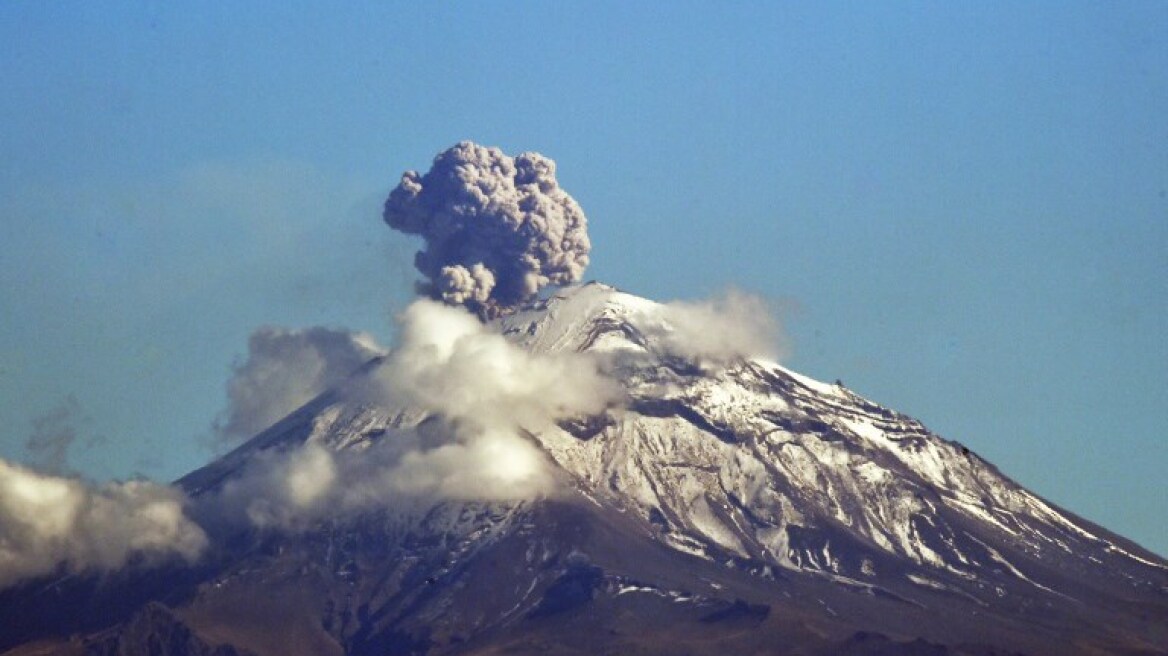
point(960, 211)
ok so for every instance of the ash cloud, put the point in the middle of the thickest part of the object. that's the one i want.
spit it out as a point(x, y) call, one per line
point(285, 369)
point(48, 522)
point(483, 397)
point(497, 229)
point(54, 433)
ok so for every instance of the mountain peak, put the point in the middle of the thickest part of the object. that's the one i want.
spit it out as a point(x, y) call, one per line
point(720, 487)
point(566, 319)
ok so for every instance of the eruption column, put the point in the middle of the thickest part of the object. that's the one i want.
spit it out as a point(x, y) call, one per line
point(497, 228)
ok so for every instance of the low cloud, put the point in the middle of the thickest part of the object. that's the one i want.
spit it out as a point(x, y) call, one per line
point(50, 521)
point(287, 489)
point(294, 489)
point(484, 398)
point(487, 396)
point(285, 369)
point(452, 365)
point(716, 330)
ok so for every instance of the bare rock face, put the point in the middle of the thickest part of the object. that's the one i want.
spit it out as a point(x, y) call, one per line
point(724, 506)
point(155, 630)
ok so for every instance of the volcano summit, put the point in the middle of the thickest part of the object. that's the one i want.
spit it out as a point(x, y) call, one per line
point(719, 505)
point(577, 471)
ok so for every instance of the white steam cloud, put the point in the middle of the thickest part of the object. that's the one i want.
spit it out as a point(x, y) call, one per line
point(284, 370)
point(47, 521)
point(484, 396)
point(489, 394)
point(497, 228)
point(284, 489)
point(719, 329)
point(452, 365)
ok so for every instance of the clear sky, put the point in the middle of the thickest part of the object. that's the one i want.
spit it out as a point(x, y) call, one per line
point(959, 208)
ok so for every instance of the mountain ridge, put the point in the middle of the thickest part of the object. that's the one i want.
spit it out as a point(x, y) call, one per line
point(723, 503)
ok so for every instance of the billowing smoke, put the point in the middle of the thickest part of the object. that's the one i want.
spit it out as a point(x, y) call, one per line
point(285, 369)
point(47, 521)
point(717, 330)
point(497, 228)
point(484, 397)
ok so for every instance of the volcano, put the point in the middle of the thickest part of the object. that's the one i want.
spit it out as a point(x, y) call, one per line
point(723, 507)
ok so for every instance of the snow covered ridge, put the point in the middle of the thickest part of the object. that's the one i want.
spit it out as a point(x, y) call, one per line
point(734, 459)
point(751, 461)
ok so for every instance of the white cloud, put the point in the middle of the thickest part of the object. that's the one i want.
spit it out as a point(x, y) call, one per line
point(484, 396)
point(283, 489)
point(715, 330)
point(451, 364)
point(50, 520)
point(488, 394)
point(285, 369)
point(486, 465)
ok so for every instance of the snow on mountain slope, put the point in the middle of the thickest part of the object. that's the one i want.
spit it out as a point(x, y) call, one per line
point(746, 460)
point(720, 505)
point(743, 462)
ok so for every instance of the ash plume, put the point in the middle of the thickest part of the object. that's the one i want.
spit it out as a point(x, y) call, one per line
point(497, 229)
point(54, 433)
